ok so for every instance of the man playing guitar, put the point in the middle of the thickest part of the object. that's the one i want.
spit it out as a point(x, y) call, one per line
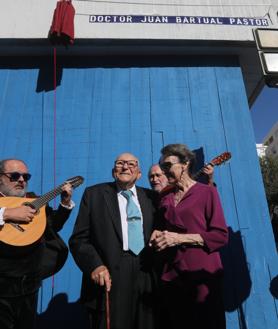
point(20, 276)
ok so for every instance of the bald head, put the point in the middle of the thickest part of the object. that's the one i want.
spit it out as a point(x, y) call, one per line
point(126, 170)
point(128, 156)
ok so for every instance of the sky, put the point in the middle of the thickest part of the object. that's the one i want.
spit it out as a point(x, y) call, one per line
point(264, 112)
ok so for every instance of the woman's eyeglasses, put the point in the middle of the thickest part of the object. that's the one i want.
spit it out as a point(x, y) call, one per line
point(166, 166)
point(14, 176)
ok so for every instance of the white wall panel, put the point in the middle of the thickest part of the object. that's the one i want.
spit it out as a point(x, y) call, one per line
point(32, 18)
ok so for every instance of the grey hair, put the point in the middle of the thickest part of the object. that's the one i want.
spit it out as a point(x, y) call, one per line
point(151, 167)
point(3, 163)
point(182, 152)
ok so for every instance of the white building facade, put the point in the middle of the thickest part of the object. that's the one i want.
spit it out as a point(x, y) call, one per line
point(261, 150)
point(271, 141)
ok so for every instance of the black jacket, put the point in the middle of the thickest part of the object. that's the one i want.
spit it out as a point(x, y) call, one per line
point(23, 268)
point(97, 235)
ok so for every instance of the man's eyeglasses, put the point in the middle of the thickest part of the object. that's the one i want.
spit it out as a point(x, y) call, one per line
point(14, 176)
point(166, 166)
point(130, 163)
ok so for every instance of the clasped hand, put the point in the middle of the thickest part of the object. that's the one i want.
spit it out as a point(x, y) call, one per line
point(161, 240)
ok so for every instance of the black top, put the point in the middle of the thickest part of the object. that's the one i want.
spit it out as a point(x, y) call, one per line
point(20, 266)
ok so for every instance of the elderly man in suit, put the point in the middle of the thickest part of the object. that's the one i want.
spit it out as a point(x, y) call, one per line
point(110, 245)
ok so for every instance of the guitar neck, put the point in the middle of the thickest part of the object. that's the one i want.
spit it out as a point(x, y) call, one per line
point(44, 199)
point(220, 159)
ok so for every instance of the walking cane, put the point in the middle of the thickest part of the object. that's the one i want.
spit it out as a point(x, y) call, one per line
point(107, 307)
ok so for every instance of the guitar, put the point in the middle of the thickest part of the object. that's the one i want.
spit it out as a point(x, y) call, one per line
point(24, 234)
point(217, 161)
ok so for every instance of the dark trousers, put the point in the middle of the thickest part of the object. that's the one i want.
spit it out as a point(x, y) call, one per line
point(18, 312)
point(193, 302)
point(132, 297)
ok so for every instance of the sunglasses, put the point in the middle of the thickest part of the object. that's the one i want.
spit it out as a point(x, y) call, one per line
point(14, 176)
point(166, 166)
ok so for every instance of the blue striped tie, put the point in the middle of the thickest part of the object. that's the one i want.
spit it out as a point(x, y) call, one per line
point(135, 230)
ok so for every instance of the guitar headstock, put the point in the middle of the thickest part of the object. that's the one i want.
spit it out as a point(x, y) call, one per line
point(220, 159)
point(75, 181)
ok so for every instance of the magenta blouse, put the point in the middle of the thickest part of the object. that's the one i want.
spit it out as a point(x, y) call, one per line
point(199, 211)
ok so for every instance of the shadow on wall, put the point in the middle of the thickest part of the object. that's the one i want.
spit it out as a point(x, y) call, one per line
point(237, 281)
point(274, 287)
point(45, 80)
point(46, 64)
point(62, 314)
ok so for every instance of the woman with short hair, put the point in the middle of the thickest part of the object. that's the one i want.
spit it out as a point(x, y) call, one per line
point(193, 231)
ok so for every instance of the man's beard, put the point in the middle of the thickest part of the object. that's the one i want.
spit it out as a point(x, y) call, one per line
point(7, 191)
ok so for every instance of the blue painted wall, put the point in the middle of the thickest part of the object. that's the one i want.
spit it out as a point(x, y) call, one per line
point(109, 106)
